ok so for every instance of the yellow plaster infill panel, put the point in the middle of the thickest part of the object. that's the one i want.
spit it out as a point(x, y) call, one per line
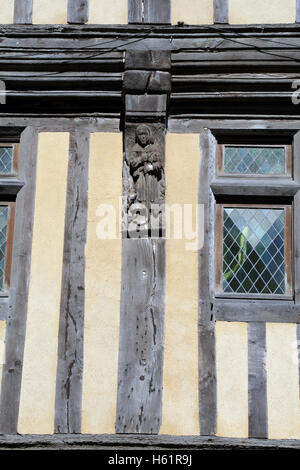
point(193, 11)
point(262, 11)
point(40, 357)
point(232, 379)
point(180, 415)
point(105, 12)
point(103, 290)
point(2, 346)
point(50, 11)
point(6, 11)
point(283, 381)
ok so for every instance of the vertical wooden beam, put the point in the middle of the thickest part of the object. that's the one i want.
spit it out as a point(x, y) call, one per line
point(298, 11)
point(149, 11)
point(296, 219)
point(71, 326)
point(207, 345)
point(78, 11)
point(157, 11)
point(18, 296)
point(23, 11)
point(141, 336)
point(257, 376)
point(220, 11)
point(135, 11)
point(296, 223)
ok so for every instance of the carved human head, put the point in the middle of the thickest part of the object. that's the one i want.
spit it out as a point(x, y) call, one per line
point(143, 135)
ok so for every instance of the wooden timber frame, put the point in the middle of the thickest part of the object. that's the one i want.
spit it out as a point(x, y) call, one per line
point(221, 82)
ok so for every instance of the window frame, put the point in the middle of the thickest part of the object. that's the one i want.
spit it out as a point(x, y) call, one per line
point(9, 187)
point(15, 159)
point(220, 162)
point(288, 251)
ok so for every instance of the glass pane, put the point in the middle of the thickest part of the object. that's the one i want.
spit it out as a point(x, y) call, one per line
point(6, 156)
point(253, 251)
point(3, 240)
point(254, 160)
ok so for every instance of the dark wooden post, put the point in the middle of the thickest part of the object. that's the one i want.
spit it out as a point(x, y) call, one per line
point(143, 252)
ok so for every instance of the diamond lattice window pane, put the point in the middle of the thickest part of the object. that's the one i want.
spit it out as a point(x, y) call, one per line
point(6, 156)
point(253, 251)
point(254, 160)
point(3, 241)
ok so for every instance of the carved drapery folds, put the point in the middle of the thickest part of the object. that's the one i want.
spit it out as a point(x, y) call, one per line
point(144, 181)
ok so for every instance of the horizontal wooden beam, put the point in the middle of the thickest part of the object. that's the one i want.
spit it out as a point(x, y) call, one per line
point(254, 187)
point(10, 187)
point(256, 311)
point(130, 441)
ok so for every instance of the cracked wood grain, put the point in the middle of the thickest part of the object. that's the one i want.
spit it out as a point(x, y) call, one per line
point(257, 381)
point(18, 294)
point(207, 342)
point(141, 336)
point(71, 325)
point(23, 11)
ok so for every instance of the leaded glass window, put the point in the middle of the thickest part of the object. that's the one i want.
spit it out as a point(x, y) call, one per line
point(8, 159)
point(255, 256)
point(240, 160)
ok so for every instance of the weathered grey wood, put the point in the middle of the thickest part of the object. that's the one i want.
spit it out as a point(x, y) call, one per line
point(297, 11)
point(147, 60)
point(157, 11)
point(298, 350)
point(207, 353)
point(133, 442)
point(257, 381)
point(78, 11)
point(145, 105)
point(18, 295)
point(139, 402)
point(279, 311)
point(135, 11)
point(255, 187)
point(296, 218)
point(23, 11)
point(3, 308)
point(220, 11)
point(71, 325)
point(186, 125)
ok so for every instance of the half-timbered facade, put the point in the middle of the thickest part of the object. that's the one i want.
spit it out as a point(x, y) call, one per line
point(149, 223)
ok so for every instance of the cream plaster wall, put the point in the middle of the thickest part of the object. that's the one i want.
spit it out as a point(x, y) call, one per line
point(50, 11)
point(283, 381)
point(180, 377)
point(108, 12)
point(193, 11)
point(103, 290)
point(232, 379)
point(6, 11)
point(40, 357)
point(262, 11)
